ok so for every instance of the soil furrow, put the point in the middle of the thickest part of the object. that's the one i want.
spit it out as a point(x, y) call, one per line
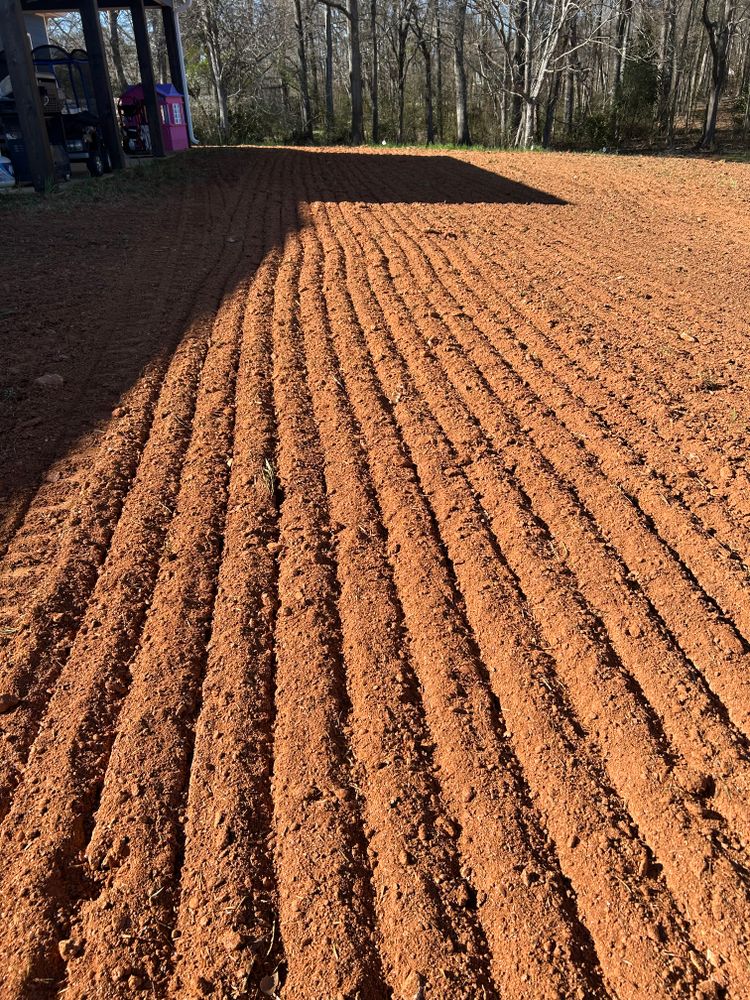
point(121, 937)
point(325, 884)
point(715, 648)
point(536, 942)
point(717, 746)
point(547, 324)
point(720, 572)
point(226, 931)
point(578, 807)
point(429, 940)
point(602, 695)
point(694, 720)
point(610, 412)
point(51, 817)
point(374, 585)
point(117, 360)
point(70, 398)
point(39, 648)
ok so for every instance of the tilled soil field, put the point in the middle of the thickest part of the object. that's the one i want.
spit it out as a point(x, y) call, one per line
point(375, 590)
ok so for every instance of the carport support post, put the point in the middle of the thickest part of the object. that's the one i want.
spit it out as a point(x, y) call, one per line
point(140, 33)
point(105, 106)
point(173, 52)
point(26, 94)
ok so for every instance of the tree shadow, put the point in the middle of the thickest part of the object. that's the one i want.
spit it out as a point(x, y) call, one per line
point(90, 297)
point(388, 177)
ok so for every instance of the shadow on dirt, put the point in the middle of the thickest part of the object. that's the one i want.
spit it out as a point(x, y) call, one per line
point(411, 178)
point(112, 306)
point(407, 178)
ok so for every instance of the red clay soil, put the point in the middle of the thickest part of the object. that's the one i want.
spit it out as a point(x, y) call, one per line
point(375, 587)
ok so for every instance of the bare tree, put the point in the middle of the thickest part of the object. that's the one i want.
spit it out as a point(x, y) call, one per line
point(114, 39)
point(590, 73)
point(306, 130)
point(719, 32)
point(209, 19)
point(463, 136)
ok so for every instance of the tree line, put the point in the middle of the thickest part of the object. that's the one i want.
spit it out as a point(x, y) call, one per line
point(521, 73)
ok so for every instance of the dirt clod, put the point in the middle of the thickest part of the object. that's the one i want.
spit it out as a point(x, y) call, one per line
point(8, 702)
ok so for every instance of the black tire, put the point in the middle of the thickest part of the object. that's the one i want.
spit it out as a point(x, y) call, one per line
point(95, 164)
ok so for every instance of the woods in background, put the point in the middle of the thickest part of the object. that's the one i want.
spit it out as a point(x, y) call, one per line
point(586, 74)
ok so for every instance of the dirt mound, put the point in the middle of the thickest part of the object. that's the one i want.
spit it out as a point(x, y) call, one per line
point(375, 606)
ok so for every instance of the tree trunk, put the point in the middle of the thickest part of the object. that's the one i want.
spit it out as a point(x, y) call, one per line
point(570, 79)
point(528, 124)
point(355, 75)
point(306, 130)
point(429, 116)
point(401, 86)
point(114, 36)
point(439, 74)
point(329, 72)
point(666, 69)
point(519, 66)
point(719, 34)
point(463, 136)
point(374, 81)
point(213, 48)
point(695, 78)
point(400, 102)
point(549, 117)
point(159, 48)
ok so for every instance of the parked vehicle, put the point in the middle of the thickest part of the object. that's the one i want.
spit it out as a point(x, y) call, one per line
point(7, 177)
point(84, 137)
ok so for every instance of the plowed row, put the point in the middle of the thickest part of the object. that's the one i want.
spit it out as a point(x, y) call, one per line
point(375, 589)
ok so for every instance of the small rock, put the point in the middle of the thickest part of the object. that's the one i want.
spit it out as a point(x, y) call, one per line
point(231, 940)
point(573, 841)
point(463, 896)
point(411, 988)
point(708, 990)
point(69, 948)
point(273, 548)
point(8, 702)
point(50, 380)
point(269, 984)
point(405, 858)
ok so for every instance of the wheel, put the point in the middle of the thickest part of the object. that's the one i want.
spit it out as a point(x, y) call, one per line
point(95, 164)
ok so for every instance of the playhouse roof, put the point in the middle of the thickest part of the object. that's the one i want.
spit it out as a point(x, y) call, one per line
point(163, 90)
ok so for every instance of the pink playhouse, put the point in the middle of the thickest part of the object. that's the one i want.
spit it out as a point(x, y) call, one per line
point(134, 121)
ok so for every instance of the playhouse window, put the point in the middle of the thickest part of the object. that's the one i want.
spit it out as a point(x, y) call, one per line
point(164, 115)
point(177, 114)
